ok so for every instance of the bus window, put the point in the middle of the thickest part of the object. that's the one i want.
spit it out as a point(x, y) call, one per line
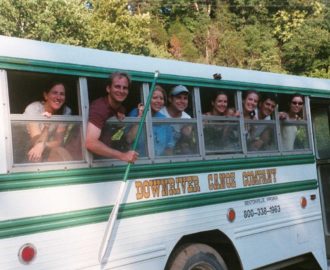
point(174, 125)
point(69, 149)
point(220, 121)
point(292, 114)
point(43, 125)
point(261, 127)
point(118, 132)
point(26, 87)
point(320, 116)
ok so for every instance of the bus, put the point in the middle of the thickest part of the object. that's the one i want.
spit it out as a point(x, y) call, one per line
point(213, 202)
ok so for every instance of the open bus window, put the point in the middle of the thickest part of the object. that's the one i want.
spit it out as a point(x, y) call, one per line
point(45, 121)
point(220, 121)
point(293, 123)
point(27, 87)
point(120, 135)
point(259, 121)
point(176, 136)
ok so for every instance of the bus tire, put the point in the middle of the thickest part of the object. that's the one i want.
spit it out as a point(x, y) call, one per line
point(197, 256)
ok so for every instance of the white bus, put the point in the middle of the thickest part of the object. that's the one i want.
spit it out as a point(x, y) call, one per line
point(214, 204)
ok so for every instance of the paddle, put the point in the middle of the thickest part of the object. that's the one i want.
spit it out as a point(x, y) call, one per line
point(114, 213)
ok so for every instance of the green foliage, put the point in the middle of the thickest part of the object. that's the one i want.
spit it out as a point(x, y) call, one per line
point(307, 51)
point(289, 36)
point(231, 49)
point(115, 28)
point(55, 21)
point(181, 42)
point(261, 50)
point(291, 18)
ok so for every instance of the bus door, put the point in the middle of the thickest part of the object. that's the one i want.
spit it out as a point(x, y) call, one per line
point(321, 127)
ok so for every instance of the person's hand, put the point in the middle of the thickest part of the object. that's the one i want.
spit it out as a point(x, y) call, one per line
point(140, 109)
point(130, 156)
point(120, 116)
point(186, 130)
point(237, 113)
point(283, 115)
point(47, 114)
point(257, 144)
point(36, 151)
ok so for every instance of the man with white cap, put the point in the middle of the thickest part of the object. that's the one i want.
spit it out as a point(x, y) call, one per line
point(178, 102)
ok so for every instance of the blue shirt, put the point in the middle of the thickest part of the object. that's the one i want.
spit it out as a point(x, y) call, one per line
point(162, 132)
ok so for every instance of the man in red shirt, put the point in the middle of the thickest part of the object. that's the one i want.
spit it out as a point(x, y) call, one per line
point(103, 108)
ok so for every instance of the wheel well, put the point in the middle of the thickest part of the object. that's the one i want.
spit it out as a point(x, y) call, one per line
point(216, 239)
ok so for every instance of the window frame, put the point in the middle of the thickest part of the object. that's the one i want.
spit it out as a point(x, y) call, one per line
point(15, 117)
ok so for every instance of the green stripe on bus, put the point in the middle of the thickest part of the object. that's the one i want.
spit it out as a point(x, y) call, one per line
point(25, 226)
point(101, 72)
point(28, 180)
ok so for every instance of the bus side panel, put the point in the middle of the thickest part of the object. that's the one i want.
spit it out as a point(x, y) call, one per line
point(294, 232)
point(146, 241)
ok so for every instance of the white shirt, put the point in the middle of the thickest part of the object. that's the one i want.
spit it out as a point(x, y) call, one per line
point(257, 116)
point(164, 111)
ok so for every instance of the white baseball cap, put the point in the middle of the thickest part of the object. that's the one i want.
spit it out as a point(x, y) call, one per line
point(178, 90)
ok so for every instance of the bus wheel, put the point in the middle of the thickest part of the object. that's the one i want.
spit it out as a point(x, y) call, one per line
point(197, 257)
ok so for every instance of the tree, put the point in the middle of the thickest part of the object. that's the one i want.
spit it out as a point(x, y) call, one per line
point(307, 51)
point(54, 21)
point(181, 44)
point(115, 28)
point(261, 49)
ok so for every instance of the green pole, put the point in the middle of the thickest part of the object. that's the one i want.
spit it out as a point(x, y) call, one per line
point(114, 213)
point(143, 117)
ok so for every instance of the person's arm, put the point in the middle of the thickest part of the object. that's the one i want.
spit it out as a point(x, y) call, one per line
point(58, 137)
point(33, 129)
point(96, 146)
point(169, 149)
point(131, 134)
point(39, 141)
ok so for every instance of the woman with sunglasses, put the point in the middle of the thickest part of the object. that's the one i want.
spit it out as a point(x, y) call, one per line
point(295, 112)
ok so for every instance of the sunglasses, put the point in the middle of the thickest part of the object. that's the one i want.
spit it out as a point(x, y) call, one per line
point(297, 103)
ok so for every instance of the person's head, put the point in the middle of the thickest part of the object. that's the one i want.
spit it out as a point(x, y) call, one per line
point(267, 105)
point(219, 103)
point(54, 96)
point(158, 99)
point(178, 99)
point(250, 102)
point(296, 106)
point(117, 87)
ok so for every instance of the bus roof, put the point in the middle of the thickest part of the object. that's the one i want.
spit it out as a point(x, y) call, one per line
point(18, 48)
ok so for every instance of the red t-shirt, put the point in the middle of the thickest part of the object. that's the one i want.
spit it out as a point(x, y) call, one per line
point(100, 111)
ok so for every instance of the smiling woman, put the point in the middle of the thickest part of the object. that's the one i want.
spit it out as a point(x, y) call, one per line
point(250, 102)
point(294, 135)
point(47, 138)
